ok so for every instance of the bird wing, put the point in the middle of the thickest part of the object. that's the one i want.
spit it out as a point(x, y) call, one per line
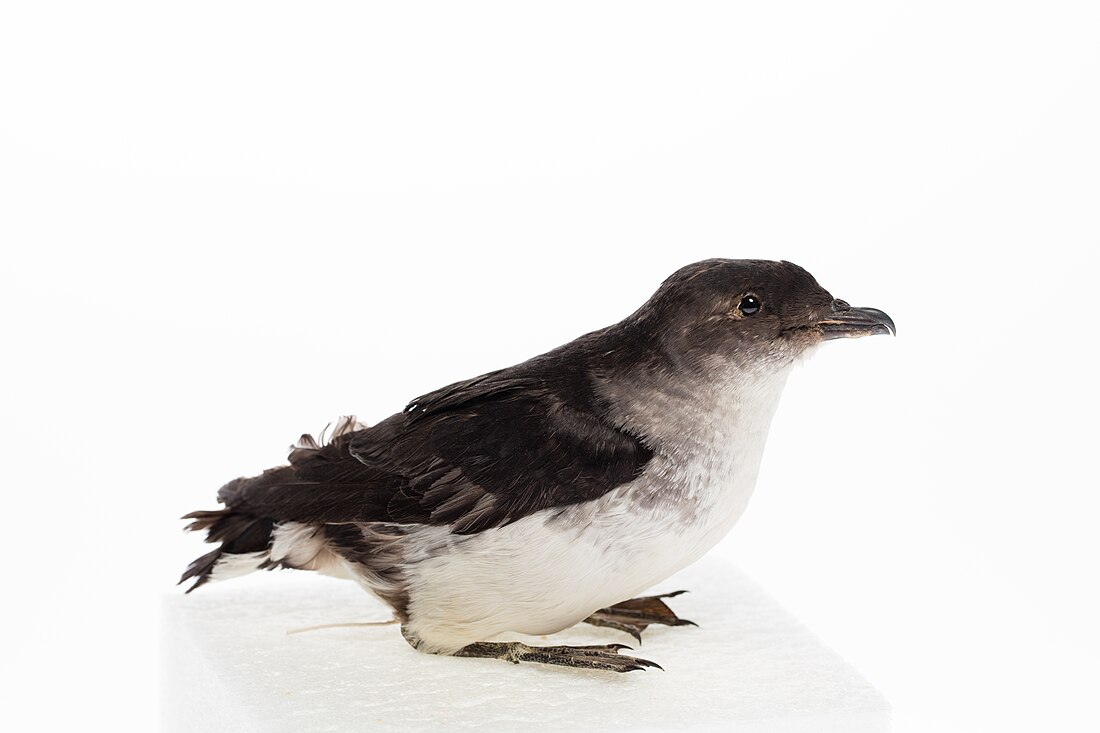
point(474, 455)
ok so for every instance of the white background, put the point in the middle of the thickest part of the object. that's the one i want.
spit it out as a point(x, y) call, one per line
point(226, 223)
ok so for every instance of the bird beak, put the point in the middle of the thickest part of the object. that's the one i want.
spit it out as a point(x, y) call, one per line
point(848, 322)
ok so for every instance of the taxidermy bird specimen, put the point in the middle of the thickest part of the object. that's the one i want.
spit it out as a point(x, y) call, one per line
point(551, 492)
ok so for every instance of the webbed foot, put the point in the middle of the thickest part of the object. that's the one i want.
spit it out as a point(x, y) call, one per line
point(603, 657)
point(635, 615)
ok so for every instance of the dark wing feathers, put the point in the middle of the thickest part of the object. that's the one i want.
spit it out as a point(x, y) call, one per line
point(493, 384)
point(478, 454)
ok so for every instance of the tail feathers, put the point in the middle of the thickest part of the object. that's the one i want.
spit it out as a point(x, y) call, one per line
point(245, 541)
point(201, 569)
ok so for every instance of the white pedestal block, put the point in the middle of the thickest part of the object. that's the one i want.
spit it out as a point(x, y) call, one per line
point(231, 666)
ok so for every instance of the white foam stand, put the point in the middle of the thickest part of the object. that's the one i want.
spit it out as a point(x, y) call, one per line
point(231, 666)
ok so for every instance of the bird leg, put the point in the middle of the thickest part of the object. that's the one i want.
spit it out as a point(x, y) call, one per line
point(635, 615)
point(604, 657)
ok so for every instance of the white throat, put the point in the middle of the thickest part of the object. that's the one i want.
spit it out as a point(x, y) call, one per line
point(708, 441)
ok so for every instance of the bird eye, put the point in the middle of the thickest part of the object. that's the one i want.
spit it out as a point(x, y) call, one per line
point(750, 304)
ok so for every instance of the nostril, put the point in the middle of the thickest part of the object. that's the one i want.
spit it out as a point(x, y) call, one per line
point(841, 305)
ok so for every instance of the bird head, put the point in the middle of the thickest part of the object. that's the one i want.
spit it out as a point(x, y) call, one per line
point(749, 313)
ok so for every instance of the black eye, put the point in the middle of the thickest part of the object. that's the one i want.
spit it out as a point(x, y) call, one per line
point(749, 305)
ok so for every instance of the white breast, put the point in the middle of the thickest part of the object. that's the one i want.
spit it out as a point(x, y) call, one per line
point(552, 569)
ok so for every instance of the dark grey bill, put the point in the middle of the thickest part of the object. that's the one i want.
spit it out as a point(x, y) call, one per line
point(849, 322)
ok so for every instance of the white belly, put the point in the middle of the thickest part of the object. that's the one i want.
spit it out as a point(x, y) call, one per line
point(552, 569)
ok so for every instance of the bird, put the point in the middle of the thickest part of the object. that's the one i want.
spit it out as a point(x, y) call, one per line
point(552, 492)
